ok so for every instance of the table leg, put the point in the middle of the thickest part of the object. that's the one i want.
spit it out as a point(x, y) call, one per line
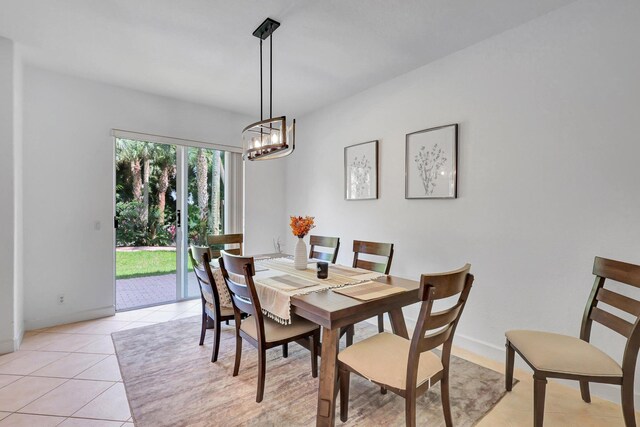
point(398, 326)
point(328, 387)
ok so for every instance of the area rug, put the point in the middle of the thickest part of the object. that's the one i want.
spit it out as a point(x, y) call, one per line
point(170, 381)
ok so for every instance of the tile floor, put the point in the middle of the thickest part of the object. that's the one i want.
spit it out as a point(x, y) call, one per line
point(68, 376)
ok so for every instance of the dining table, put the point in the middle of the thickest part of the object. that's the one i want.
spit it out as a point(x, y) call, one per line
point(333, 310)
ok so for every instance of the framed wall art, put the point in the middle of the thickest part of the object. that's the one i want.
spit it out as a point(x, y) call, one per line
point(431, 163)
point(361, 171)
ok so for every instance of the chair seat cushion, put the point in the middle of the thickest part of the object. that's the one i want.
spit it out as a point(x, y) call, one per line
point(274, 331)
point(383, 358)
point(224, 311)
point(563, 354)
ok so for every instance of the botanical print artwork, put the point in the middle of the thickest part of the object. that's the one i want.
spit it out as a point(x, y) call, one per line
point(429, 163)
point(360, 173)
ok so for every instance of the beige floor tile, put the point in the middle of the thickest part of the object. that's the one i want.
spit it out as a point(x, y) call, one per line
point(127, 425)
point(68, 398)
point(137, 324)
point(103, 345)
point(6, 358)
point(184, 315)
point(4, 415)
point(129, 316)
point(71, 342)
point(176, 308)
point(72, 328)
point(69, 366)
point(8, 379)
point(103, 327)
point(29, 362)
point(26, 390)
point(110, 405)
point(24, 420)
point(158, 316)
point(85, 422)
point(105, 370)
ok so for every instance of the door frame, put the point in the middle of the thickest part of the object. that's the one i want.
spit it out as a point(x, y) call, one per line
point(236, 213)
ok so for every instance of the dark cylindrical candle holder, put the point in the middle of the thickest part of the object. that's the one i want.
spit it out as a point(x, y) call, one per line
point(323, 270)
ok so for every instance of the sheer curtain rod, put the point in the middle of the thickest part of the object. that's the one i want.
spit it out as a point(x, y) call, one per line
point(119, 133)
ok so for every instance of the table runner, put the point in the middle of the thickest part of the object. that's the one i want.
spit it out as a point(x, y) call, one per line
point(281, 281)
point(368, 291)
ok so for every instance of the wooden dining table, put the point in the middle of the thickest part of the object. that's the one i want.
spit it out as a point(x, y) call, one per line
point(333, 311)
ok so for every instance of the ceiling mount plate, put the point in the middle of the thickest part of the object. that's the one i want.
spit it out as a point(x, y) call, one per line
point(266, 28)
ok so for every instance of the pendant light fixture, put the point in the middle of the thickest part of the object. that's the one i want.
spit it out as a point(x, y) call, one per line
point(269, 138)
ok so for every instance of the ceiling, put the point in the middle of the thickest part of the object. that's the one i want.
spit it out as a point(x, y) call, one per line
point(203, 50)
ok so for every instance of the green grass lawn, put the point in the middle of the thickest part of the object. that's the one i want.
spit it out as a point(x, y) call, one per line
point(145, 263)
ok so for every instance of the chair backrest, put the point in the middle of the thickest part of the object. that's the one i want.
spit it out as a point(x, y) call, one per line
point(235, 270)
point(372, 248)
point(215, 241)
point(628, 274)
point(324, 242)
point(196, 253)
point(204, 275)
point(441, 325)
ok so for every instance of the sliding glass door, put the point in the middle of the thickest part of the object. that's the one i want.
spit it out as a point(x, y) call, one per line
point(167, 197)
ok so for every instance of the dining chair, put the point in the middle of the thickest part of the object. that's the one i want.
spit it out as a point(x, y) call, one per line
point(220, 242)
point(212, 307)
point(384, 250)
point(409, 367)
point(332, 243)
point(196, 252)
point(260, 331)
point(560, 356)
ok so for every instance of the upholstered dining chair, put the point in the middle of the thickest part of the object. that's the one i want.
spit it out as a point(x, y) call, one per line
point(212, 305)
point(382, 250)
point(260, 331)
point(409, 367)
point(332, 243)
point(561, 356)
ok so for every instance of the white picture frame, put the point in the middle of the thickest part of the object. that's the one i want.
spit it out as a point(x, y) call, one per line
point(431, 163)
point(361, 171)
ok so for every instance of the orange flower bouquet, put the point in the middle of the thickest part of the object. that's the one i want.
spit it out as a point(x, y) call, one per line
point(300, 226)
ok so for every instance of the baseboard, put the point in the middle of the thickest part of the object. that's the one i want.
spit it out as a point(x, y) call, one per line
point(78, 316)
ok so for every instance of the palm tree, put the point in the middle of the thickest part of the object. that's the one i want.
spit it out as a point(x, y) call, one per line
point(164, 157)
point(214, 216)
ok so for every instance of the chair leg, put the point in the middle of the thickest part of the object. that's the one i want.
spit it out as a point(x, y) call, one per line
point(380, 323)
point(444, 394)
point(313, 342)
point(628, 410)
point(383, 390)
point(262, 367)
point(285, 350)
point(203, 329)
point(227, 322)
point(508, 375)
point(539, 386)
point(410, 408)
point(236, 366)
point(216, 342)
point(343, 375)
point(584, 391)
point(351, 330)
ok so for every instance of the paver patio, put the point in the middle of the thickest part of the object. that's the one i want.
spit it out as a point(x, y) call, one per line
point(150, 290)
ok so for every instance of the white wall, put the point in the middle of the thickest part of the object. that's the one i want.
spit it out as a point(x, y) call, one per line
point(18, 261)
point(7, 235)
point(548, 171)
point(68, 184)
